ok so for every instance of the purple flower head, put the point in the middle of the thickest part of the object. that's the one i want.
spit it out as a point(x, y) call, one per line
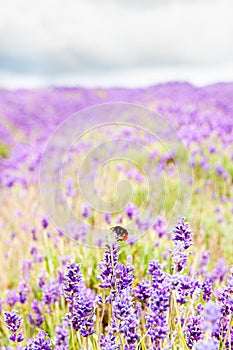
point(108, 218)
point(70, 189)
point(156, 319)
point(204, 261)
point(224, 296)
point(182, 241)
point(221, 171)
point(211, 315)
point(182, 233)
point(160, 227)
point(51, 292)
point(26, 267)
point(23, 292)
point(108, 266)
point(41, 342)
point(187, 287)
point(143, 290)
point(128, 319)
point(155, 269)
point(61, 337)
point(131, 210)
point(204, 163)
point(12, 320)
point(82, 312)
point(44, 222)
point(34, 234)
point(219, 271)
point(37, 318)
point(65, 259)
point(108, 342)
point(212, 149)
point(42, 279)
point(124, 277)
point(86, 211)
point(210, 344)
point(73, 279)
point(12, 297)
point(193, 330)
point(16, 338)
point(207, 288)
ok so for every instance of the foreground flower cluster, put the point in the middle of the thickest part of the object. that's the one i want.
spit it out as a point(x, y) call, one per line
point(174, 307)
point(167, 290)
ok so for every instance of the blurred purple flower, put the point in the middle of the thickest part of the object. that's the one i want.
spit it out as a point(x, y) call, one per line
point(61, 337)
point(40, 342)
point(131, 210)
point(160, 227)
point(86, 211)
point(211, 314)
point(37, 318)
point(143, 290)
point(12, 297)
point(210, 344)
point(108, 342)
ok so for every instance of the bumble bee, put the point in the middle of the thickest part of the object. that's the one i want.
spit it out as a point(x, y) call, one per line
point(120, 233)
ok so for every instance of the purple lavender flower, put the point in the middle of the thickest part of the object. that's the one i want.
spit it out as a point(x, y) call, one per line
point(221, 171)
point(16, 338)
point(108, 266)
point(131, 210)
point(82, 313)
point(12, 298)
point(61, 337)
point(143, 290)
point(193, 330)
point(211, 315)
point(108, 218)
point(108, 342)
point(219, 271)
point(224, 296)
point(73, 280)
point(70, 189)
point(160, 227)
point(23, 292)
point(86, 211)
point(187, 286)
point(37, 318)
point(155, 269)
point(81, 301)
point(210, 344)
point(182, 241)
point(204, 261)
point(156, 318)
point(13, 323)
point(126, 316)
point(34, 234)
point(207, 288)
point(124, 277)
point(26, 267)
point(42, 279)
point(51, 292)
point(183, 234)
point(41, 342)
point(12, 320)
point(44, 222)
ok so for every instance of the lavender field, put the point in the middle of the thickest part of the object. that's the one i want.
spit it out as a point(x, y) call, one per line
point(170, 285)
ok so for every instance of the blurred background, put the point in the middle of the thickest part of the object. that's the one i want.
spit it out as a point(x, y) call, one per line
point(115, 42)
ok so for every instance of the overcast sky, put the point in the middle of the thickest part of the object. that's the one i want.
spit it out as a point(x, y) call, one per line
point(115, 42)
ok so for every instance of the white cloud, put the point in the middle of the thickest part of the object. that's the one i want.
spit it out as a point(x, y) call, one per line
point(58, 36)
